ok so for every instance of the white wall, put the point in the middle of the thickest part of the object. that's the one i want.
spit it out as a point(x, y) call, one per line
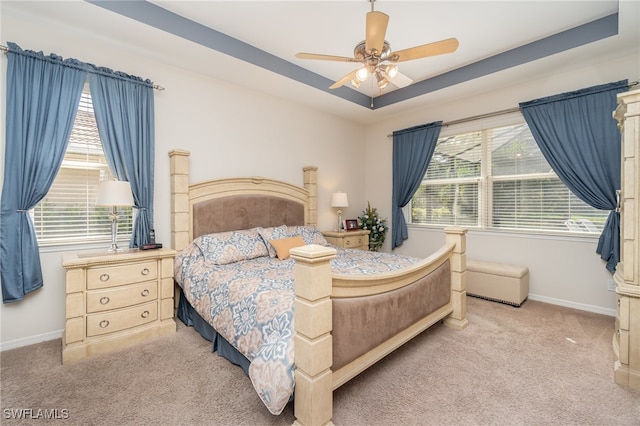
point(230, 131)
point(563, 270)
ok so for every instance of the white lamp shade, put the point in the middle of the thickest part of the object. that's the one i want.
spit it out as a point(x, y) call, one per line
point(339, 199)
point(114, 193)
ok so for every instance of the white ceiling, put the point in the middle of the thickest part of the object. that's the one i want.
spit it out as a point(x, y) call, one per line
point(483, 28)
point(283, 28)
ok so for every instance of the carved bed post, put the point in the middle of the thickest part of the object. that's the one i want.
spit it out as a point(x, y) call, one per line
point(180, 214)
point(311, 185)
point(313, 404)
point(458, 318)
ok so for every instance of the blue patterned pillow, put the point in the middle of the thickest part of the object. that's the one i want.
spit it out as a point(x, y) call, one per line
point(273, 233)
point(222, 248)
point(309, 233)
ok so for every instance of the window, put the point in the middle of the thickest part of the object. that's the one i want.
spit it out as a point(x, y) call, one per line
point(68, 213)
point(498, 179)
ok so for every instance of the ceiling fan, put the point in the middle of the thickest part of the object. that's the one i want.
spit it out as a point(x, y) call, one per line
point(376, 57)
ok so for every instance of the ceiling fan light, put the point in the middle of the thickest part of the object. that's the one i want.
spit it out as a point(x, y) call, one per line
point(391, 70)
point(362, 74)
point(381, 79)
point(355, 82)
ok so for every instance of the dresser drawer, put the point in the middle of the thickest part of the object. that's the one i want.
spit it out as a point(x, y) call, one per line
point(112, 321)
point(121, 297)
point(128, 273)
point(355, 241)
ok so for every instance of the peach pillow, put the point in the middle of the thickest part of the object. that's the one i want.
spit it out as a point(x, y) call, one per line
point(283, 245)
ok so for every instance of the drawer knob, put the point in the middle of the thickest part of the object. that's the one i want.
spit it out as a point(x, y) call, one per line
point(145, 314)
point(144, 293)
point(145, 271)
point(104, 277)
point(347, 243)
point(104, 324)
point(104, 300)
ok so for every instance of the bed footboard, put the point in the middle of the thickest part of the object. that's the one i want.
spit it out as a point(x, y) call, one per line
point(316, 291)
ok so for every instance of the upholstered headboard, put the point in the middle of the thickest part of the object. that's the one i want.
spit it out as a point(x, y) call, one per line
point(244, 212)
point(236, 203)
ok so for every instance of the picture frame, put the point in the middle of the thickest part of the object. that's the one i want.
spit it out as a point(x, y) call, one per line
point(351, 225)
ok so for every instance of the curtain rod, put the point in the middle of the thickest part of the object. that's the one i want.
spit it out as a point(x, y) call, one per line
point(5, 49)
point(496, 113)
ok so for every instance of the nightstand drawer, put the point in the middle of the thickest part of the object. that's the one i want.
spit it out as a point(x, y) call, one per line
point(355, 241)
point(109, 276)
point(110, 322)
point(121, 297)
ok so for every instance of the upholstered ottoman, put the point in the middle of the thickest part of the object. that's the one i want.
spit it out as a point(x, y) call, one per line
point(498, 282)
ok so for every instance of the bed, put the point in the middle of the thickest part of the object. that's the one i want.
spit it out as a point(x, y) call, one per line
point(333, 305)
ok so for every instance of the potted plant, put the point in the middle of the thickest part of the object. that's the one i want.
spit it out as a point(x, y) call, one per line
point(370, 220)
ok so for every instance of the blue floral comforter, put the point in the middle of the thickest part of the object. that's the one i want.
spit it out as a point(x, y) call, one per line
point(250, 303)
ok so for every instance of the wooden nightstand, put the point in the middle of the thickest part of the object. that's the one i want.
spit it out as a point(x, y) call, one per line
point(116, 300)
point(349, 239)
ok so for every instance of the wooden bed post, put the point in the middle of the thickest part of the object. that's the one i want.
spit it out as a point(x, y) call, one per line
point(458, 318)
point(311, 185)
point(179, 168)
point(313, 405)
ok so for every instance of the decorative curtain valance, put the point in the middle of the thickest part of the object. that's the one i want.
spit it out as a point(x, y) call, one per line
point(581, 142)
point(412, 152)
point(75, 63)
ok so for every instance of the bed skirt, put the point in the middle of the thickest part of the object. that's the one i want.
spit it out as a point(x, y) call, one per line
point(191, 318)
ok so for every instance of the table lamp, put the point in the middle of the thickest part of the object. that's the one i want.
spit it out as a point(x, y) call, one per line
point(114, 193)
point(339, 200)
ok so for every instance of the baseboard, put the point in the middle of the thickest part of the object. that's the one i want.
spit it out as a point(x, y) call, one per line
point(26, 341)
point(574, 305)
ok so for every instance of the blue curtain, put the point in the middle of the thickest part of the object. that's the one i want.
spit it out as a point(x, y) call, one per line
point(124, 111)
point(580, 139)
point(42, 100)
point(412, 152)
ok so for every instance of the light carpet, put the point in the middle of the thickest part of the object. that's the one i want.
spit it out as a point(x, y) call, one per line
point(536, 365)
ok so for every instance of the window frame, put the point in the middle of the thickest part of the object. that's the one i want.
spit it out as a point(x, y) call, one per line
point(485, 183)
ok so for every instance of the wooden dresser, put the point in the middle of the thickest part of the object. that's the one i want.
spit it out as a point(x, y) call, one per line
point(626, 340)
point(349, 239)
point(116, 300)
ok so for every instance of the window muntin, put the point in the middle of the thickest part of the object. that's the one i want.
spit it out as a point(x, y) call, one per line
point(497, 178)
point(68, 214)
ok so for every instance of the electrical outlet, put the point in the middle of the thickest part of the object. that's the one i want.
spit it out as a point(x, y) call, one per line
point(611, 285)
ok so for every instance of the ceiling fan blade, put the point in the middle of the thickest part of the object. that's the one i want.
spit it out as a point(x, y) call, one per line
point(400, 80)
point(431, 49)
point(343, 80)
point(376, 31)
point(303, 55)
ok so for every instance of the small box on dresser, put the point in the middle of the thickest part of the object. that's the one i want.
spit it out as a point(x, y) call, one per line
point(116, 300)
